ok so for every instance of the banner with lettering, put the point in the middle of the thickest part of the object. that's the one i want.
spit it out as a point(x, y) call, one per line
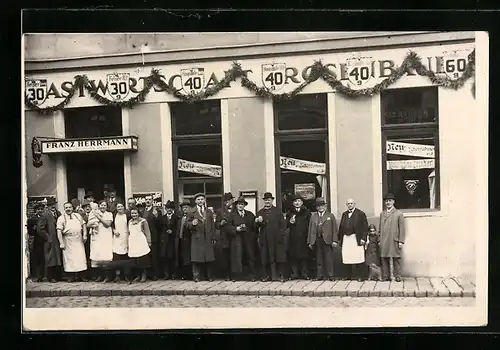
point(410, 164)
point(410, 149)
point(303, 166)
point(140, 198)
point(199, 168)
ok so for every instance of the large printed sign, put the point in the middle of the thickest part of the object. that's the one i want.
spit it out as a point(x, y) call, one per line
point(199, 168)
point(119, 143)
point(410, 149)
point(280, 74)
point(303, 166)
point(410, 164)
point(140, 198)
point(306, 191)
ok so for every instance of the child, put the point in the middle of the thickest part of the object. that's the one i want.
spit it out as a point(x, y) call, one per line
point(372, 254)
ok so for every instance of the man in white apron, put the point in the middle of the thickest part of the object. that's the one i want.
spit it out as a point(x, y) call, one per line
point(72, 233)
point(353, 231)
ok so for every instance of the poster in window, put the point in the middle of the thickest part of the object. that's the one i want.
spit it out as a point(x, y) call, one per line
point(306, 191)
point(140, 198)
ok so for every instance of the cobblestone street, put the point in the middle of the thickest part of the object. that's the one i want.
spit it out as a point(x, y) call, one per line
point(180, 301)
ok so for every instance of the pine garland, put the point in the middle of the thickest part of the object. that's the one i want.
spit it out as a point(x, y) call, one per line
point(318, 71)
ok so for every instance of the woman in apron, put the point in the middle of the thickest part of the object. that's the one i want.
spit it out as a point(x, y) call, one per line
point(101, 243)
point(120, 242)
point(139, 245)
point(72, 233)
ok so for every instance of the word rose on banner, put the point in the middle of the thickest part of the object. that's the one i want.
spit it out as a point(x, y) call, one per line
point(199, 168)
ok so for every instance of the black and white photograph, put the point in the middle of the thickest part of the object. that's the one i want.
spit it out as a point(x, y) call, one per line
point(254, 179)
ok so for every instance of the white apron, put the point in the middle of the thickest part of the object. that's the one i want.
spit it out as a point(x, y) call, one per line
point(120, 242)
point(137, 242)
point(101, 243)
point(351, 252)
point(74, 259)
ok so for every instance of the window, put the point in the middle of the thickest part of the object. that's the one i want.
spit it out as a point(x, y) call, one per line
point(301, 141)
point(410, 137)
point(197, 146)
point(93, 122)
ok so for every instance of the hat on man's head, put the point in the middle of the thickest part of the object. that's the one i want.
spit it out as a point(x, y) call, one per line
point(111, 188)
point(51, 201)
point(85, 203)
point(389, 196)
point(199, 195)
point(185, 202)
point(38, 205)
point(241, 200)
point(294, 197)
point(170, 205)
point(320, 201)
point(268, 195)
point(88, 194)
point(228, 196)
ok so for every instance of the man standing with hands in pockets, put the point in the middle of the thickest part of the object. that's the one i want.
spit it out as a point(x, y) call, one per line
point(323, 236)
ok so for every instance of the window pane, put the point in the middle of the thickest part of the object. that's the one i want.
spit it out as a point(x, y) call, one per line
point(414, 105)
point(209, 158)
point(303, 171)
point(190, 189)
point(93, 122)
point(302, 112)
point(197, 118)
point(215, 202)
point(411, 175)
point(213, 188)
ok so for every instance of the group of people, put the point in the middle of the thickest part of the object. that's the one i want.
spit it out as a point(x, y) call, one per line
point(110, 241)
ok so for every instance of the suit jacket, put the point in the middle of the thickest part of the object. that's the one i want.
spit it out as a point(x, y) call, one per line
point(112, 204)
point(154, 223)
point(236, 220)
point(359, 222)
point(329, 225)
point(202, 236)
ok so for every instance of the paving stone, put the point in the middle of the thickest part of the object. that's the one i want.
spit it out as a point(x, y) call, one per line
point(286, 287)
point(213, 288)
point(425, 286)
point(353, 288)
point(340, 288)
point(439, 287)
point(264, 288)
point(311, 289)
point(410, 287)
point(199, 288)
point(325, 289)
point(298, 288)
point(254, 287)
point(219, 288)
point(367, 289)
point(468, 289)
point(396, 289)
point(382, 289)
point(453, 287)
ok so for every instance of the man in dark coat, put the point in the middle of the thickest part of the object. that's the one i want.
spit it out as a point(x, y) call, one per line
point(87, 208)
point(297, 220)
point(46, 228)
point(353, 231)
point(169, 241)
point(202, 225)
point(271, 237)
point(184, 234)
point(37, 256)
point(152, 215)
point(113, 200)
point(225, 237)
point(323, 237)
point(241, 227)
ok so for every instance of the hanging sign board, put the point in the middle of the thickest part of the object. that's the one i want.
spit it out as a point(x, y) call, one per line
point(410, 149)
point(116, 143)
point(251, 198)
point(303, 166)
point(140, 198)
point(410, 164)
point(199, 168)
point(306, 191)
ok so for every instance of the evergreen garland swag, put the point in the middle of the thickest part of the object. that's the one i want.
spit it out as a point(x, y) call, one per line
point(411, 62)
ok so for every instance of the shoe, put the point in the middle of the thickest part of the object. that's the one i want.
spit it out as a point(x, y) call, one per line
point(398, 279)
point(361, 279)
point(53, 280)
point(98, 279)
point(228, 278)
point(143, 278)
point(331, 279)
point(196, 280)
point(71, 280)
point(39, 279)
point(137, 279)
point(154, 278)
point(117, 279)
point(106, 280)
point(84, 279)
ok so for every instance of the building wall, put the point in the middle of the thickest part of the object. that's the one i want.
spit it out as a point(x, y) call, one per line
point(247, 145)
point(40, 181)
point(145, 164)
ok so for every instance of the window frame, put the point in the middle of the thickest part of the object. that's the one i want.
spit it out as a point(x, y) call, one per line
point(409, 130)
point(194, 136)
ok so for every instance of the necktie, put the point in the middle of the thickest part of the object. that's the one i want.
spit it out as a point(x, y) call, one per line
point(242, 213)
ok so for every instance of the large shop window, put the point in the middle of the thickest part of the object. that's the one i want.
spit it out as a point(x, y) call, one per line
point(410, 135)
point(197, 151)
point(301, 141)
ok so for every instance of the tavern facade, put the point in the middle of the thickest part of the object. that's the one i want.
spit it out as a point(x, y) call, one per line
point(403, 139)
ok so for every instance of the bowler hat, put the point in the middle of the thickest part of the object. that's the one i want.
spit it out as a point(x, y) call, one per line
point(268, 195)
point(228, 196)
point(294, 197)
point(85, 203)
point(185, 202)
point(199, 195)
point(38, 205)
point(389, 196)
point(241, 200)
point(170, 205)
point(88, 194)
point(320, 201)
point(51, 201)
point(111, 188)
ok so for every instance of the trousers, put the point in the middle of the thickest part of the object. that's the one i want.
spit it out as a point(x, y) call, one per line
point(386, 267)
point(324, 259)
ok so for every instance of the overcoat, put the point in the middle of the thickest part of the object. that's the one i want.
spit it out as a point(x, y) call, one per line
point(169, 242)
point(392, 231)
point(297, 244)
point(239, 238)
point(224, 236)
point(184, 238)
point(272, 235)
point(153, 223)
point(330, 231)
point(359, 222)
point(46, 227)
point(202, 236)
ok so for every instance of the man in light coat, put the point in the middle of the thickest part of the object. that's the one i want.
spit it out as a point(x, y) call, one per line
point(392, 238)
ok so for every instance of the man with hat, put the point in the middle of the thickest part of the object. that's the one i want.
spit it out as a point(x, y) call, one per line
point(202, 225)
point(392, 238)
point(46, 227)
point(297, 220)
point(241, 226)
point(184, 246)
point(52, 205)
point(225, 236)
point(169, 241)
point(271, 237)
point(91, 199)
point(87, 208)
point(37, 255)
point(323, 237)
point(152, 214)
point(113, 200)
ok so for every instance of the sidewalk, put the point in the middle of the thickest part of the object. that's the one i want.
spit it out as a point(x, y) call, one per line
point(410, 287)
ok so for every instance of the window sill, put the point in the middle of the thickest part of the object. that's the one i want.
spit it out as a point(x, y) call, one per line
point(412, 213)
